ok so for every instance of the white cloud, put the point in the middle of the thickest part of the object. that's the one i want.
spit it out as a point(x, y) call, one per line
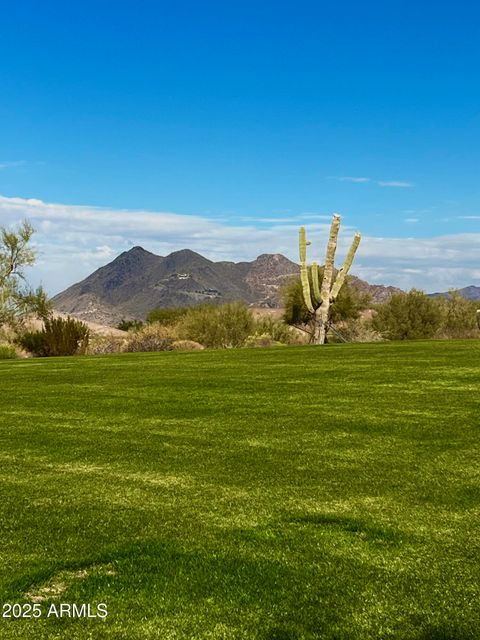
point(411, 220)
point(12, 163)
point(402, 184)
point(72, 241)
point(355, 179)
point(395, 183)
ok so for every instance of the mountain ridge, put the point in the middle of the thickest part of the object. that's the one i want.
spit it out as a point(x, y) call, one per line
point(471, 292)
point(137, 281)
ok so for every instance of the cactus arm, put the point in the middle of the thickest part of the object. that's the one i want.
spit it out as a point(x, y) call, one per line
point(306, 288)
point(317, 298)
point(302, 241)
point(342, 274)
point(329, 259)
point(304, 270)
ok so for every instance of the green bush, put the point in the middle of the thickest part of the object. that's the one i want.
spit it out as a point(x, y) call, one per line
point(7, 352)
point(65, 336)
point(408, 316)
point(33, 341)
point(129, 325)
point(217, 326)
point(166, 317)
point(459, 316)
point(59, 337)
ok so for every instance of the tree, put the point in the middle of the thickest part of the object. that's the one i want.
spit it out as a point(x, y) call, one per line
point(217, 326)
point(166, 316)
point(408, 316)
point(17, 299)
point(348, 304)
point(459, 316)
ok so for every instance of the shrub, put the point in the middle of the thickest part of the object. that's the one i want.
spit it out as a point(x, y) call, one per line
point(7, 334)
point(187, 345)
point(458, 316)
point(354, 330)
point(7, 352)
point(33, 342)
point(166, 317)
point(102, 345)
point(151, 337)
point(221, 326)
point(65, 336)
point(262, 340)
point(408, 316)
point(276, 330)
point(59, 337)
point(129, 325)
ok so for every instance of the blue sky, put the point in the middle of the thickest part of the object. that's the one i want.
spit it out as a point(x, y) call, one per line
point(222, 126)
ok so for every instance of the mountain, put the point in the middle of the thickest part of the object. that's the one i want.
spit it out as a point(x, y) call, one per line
point(379, 293)
point(138, 281)
point(470, 293)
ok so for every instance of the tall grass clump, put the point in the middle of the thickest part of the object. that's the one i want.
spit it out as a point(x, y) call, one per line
point(59, 337)
point(7, 352)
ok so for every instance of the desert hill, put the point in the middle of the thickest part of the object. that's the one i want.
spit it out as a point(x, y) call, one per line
point(137, 281)
point(470, 293)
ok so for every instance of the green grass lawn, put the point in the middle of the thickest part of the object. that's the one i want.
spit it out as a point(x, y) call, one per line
point(282, 494)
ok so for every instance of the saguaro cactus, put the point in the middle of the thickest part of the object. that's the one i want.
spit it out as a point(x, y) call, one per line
point(319, 298)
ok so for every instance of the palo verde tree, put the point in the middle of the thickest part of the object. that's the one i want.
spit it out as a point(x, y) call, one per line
point(409, 316)
point(319, 297)
point(17, 298)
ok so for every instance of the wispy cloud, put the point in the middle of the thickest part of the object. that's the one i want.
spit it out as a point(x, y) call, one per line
point(469, 217)
point(355, 179)
point(395, 183)
point(411, 220)
point(381, 183)
point(7, 164)
point(72, 241)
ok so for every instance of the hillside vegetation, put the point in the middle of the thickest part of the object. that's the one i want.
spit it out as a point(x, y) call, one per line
point(289, 494)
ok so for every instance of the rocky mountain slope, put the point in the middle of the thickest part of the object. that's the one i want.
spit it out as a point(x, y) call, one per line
point(470, 293)
point(138, 281)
